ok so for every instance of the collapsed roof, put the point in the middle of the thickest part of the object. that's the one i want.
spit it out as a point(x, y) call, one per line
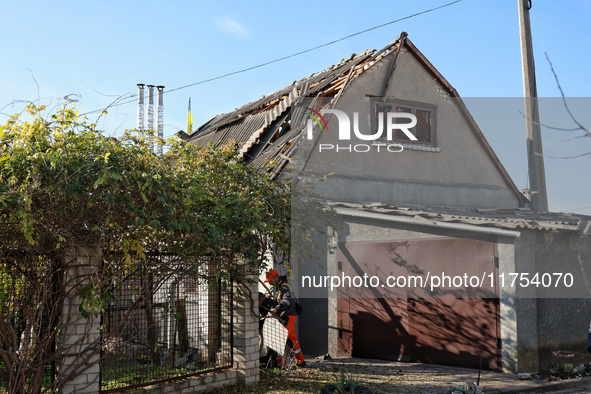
point(262, 129)
point(263, 133)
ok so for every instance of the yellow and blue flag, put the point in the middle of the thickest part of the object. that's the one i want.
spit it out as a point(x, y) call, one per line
point(190, 120)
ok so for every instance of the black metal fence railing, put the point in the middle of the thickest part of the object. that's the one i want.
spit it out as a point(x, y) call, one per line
point(48, 377)
point(183, 329)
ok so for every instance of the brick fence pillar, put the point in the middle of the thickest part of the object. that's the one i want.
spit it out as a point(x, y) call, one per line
point(246, 333)
point(80, 336)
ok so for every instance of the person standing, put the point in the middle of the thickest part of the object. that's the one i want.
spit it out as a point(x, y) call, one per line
point(286, 310)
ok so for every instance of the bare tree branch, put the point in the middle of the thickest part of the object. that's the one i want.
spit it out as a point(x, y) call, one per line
point(581, 127)
point(565, 157)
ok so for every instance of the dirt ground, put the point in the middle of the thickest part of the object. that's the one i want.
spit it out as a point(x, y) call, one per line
point(392, 377)
point(380, 377)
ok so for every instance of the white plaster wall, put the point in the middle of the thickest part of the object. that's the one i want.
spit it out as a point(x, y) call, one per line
point(457, 172)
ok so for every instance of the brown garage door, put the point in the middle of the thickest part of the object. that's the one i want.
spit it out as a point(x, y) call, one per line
point(450, 329)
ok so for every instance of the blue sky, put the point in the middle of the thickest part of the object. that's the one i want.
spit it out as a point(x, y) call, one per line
point(101, 50)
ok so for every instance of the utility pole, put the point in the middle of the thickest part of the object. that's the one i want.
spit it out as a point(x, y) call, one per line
point(537, 176)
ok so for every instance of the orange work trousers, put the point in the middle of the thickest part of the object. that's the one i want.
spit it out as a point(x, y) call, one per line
point(292, 340)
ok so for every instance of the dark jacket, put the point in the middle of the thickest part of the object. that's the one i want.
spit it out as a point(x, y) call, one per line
point(589, 341)
point(286, 301)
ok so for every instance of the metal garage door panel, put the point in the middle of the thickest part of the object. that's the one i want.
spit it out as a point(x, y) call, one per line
point(452, 258)
point(380, 259)
point(454, 331)
point(373, 328)
point(361, 320)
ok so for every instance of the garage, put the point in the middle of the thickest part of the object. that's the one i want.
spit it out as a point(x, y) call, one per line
point(451, 325)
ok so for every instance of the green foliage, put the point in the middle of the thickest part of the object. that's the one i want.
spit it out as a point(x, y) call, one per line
point(346, 383)
point(66, 185)
point(565, 368)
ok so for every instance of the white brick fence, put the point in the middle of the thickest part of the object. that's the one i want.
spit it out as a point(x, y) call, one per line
point(80, 336)
point(82, 332)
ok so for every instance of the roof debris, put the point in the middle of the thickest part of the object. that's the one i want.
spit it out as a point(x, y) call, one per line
point(262, 130)
point(267, 134)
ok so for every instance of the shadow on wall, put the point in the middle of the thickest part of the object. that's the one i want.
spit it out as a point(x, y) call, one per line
point(450, 327)
point(421, 330)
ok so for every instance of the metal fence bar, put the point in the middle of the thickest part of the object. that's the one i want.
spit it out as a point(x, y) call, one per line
point(183, 329)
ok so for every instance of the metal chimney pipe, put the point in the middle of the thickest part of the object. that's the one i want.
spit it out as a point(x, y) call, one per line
point(140, 107)
point(160, 119)
point(151, 114)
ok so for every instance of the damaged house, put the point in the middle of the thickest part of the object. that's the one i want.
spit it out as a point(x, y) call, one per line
point(493, 283)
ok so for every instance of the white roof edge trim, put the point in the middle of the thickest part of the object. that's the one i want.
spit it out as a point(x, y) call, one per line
point(427, 222)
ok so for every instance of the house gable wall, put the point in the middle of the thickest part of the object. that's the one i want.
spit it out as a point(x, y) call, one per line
point(455, 172)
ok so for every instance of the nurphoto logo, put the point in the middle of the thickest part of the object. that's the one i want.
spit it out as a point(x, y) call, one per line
point(393, 121)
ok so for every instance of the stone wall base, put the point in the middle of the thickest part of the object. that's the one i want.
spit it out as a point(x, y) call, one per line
point(197, 384)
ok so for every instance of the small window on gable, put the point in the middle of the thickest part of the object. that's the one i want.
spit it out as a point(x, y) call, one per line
point(424, 130)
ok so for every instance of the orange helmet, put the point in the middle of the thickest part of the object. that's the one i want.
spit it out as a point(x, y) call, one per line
point(270, 275)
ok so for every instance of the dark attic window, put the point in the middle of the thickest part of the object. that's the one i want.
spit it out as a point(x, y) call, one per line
point(424, 131)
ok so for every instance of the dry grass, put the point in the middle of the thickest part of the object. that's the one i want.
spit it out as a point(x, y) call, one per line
point(317, 375)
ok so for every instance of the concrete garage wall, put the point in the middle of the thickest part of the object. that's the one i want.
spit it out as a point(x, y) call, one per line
point(312, 323)
point(536, 331)
point(562, 331)
point(508, 307)
point(312, 327)
point(525, 305)
point(550, 325)
point(320, 311)
point(563, 322)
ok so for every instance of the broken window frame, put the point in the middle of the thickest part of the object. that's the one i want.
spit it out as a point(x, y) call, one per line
point(412, 107)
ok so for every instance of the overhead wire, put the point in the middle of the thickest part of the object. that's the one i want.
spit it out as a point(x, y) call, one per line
point(133, 95)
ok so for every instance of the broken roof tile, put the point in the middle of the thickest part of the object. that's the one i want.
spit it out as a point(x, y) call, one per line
point(258, 127)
